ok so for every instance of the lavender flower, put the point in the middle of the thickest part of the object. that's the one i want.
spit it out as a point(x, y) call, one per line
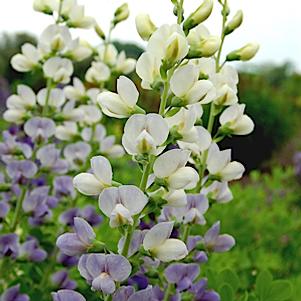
point(79, 242)
point(4, 208)
point(101, 271)
point(13, 294)
point(18, 170)
point(61, 280)
point(127, 293)
point(201, 292)
point(182, 274)
point(63, 186)
point(135, 243)
point(67, 261)
point(215, 242)
point(77, 154)
point(9, 245)
point(30, 249)
point(67, 295)
point(39, 128)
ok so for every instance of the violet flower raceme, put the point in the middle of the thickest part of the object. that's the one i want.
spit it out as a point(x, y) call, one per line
point(67, 295)
point(102, 271)
point(79, 242)
point(13, 294)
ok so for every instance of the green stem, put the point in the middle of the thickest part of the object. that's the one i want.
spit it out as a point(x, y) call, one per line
point(164, 98)
point(168, 292)
point(180, 11)
point(59, 12)
point(46, 105)
point(18, 210)
point(186, 233)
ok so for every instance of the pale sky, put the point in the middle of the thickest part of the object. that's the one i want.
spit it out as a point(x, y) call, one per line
point(275, 25)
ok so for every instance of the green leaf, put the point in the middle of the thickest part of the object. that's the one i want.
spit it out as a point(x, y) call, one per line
point(263, 285)
point(280, 290)
point(230, 277)
point(226, 293)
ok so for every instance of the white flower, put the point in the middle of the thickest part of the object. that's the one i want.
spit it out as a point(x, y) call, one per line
point(166, 249)
point(77, 91)
point(45, 6)
point(58, 69)
point(176, 198)
point(27, 60)
point(124, 65)
point(56, 97)
point(55, 38)
point(185, 85)
point(218, 191)
point(120, 204)
point(79, 50)
point(145, 27)
point(97, 73)
point(91, 114)
point(245, 53)
point(121, 104)
point(107, 54)
point(235, 122)
point(201, 42)
point(71, 113)
point(168, 43)
point(219, 164)
point(143, 134)
point(148, 69)
point(170, 167)
point(67, 131)
point(77, 18)
point(94, 183)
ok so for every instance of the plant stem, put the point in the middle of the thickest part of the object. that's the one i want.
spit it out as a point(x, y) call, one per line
point(186, 233)
point(46, 105)
point(168, 292)
point(59, 12)
point(164, 97)
point(16, 217)
point(180, 11)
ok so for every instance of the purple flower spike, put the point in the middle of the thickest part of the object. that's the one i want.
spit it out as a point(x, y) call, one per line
point(39, 128)
point(30, 249)
point(101, 271)
point(13, 294)
point(182, 274)
point(18, 169)
point(61, 280)
point(9, 245)
point(67, 295)
point(215, 242)
point(79, 242)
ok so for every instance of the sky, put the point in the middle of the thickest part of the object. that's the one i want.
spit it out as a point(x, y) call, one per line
point(275, 25)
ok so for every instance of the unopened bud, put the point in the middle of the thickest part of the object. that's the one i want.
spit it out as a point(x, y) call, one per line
point(44, 6)
point(206, 48)
point(234, 23)
point(199, 16)
point(145, 26)
point(245, 53)
point(121, 13)
point(99, 32)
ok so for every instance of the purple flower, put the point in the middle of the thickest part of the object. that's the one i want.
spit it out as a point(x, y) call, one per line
point(77, 154)
point(135, 243)
point(215, 242)
point(9, 245)
point(139, 280)
point(127, 293)
point(158, 295)
point(39, 128)
point(192, 242)
point(90, 215)
point(79, 242)
point(101, 271)
point(67, 261)
point(201, 293)
point(63, 186)
point(17, 170)
point(4, 208)
point(30, 249)
point(67, 295)
point(13, 294)
point(182, 274)
point(200, 256)
point(49, 157)
point(67, 217)
point(61, 280)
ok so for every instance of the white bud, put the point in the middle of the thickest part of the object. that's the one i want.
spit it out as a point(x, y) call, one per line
point(245, 53)
point(145, 26)
point(121, 13)
point(234, 23)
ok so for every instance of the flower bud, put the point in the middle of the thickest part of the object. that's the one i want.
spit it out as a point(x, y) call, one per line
point(121, 14)
point(177, 48)
point(199, 16)
point(99, 32)
point(244, 54)
point(234, 23)
point(44, 6)
point(145, 27)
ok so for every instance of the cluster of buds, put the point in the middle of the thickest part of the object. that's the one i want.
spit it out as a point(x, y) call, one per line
point(60, 145)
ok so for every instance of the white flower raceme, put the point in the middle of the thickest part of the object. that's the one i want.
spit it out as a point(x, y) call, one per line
point(67, 131)
point(202, 44)
point(170, 167)
point(94, 183)
point(148, 69)
point(185, 84)
point(121, 104)
point(58, 69)
point(145, 27)
point(168, 43)
point(144, 134)
point(120, 204)
point(158, 243)
point(98, 73)
point(234, 121)
point(27, 60)
point(56, 97)
point(19, 104)
point(55, 38)
point(218, 191)
point(219, 164)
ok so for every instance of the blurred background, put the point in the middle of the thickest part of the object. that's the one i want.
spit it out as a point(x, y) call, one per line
point(265, 216)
